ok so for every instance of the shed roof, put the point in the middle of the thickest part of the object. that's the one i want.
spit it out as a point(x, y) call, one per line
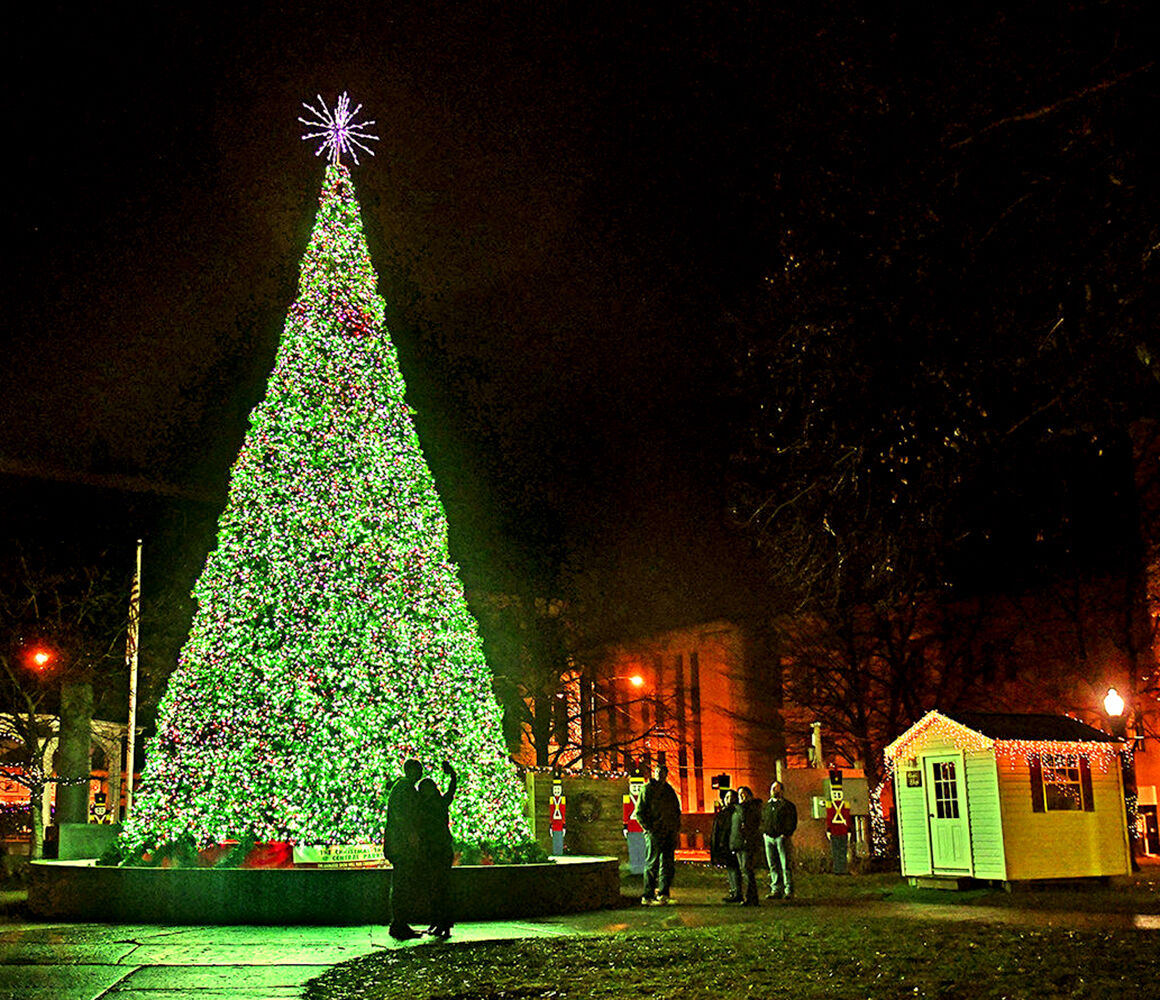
point(1020, 726)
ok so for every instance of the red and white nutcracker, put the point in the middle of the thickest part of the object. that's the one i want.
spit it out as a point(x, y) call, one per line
point(557, 817)
point(633, 831)
point(839, 822)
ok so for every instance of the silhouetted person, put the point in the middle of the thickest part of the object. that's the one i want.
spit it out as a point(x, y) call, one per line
point(401, 848)
point(437, 848)
point(659, 814)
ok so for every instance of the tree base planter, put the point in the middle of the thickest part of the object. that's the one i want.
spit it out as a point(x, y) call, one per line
point(80, 890)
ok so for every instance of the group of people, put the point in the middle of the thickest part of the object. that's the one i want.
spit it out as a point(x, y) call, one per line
point(742, 826)
point(417, 842)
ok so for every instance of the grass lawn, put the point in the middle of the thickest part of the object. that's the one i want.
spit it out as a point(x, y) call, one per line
point(809, 949)
point(792, 957)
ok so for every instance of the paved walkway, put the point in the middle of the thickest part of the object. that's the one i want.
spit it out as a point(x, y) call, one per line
point(53, 961)
point(91, 961)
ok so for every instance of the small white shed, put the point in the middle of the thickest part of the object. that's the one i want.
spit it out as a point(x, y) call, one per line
point(1008, 797)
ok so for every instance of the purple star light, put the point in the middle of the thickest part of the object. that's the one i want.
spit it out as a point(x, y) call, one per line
point(338, 130)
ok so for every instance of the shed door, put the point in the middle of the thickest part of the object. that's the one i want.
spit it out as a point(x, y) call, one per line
point(950, 842)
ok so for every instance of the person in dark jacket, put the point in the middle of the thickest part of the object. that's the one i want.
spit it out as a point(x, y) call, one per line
point(437, 849)
point(720, 853)
point(659, 814)
point(401, 849)
point(778, 823)
point(745, 840)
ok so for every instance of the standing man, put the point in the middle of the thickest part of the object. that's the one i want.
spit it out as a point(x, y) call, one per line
point(778, 823)
point(659, 814)
point(401, 847)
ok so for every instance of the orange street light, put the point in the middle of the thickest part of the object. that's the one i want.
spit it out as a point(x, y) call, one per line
point(39, 657)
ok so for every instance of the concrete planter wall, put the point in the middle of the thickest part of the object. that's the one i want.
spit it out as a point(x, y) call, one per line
point(79, 890)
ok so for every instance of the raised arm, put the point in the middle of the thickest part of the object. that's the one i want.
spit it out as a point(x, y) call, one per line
point(452, 785)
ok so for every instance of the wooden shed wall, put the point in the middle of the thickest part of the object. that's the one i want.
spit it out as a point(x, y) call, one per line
point(1062, 844)
point(913, 832)
point(984, 813)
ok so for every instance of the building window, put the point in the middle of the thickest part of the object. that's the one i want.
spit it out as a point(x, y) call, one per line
point(1061, 782)
point(1062, 790)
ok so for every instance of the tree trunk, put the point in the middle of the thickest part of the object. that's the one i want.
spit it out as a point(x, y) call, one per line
point(36, 804)
point(73, 763)
point(542, 726)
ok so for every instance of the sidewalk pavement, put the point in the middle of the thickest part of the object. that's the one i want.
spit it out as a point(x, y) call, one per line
point(135, 962)
point(60, 961)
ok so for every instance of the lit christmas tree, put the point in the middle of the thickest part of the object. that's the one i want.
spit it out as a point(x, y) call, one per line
point(331, 639)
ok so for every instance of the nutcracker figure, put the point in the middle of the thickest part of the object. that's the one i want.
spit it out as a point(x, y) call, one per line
point(633, 831)
point(557, 811)
point(838, 823)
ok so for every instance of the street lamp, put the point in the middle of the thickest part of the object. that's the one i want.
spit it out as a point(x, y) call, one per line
point(1114, 705)
point(38, 658)
point(1118, 723)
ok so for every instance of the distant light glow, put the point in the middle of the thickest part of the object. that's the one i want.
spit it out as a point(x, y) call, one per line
point(636, 680)
point(338, 130)
point(41, 657)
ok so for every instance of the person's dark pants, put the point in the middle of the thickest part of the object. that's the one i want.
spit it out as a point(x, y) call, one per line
point(439, 885)
point(660, 863)
point(405, 877)
point(733, 873)
point(746, 863)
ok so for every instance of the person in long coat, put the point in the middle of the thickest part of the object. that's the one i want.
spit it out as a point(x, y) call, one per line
point(745, 840)
point(720, 853)
point(401, 849)
point(437, 849)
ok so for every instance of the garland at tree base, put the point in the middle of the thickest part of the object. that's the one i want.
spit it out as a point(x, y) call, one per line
point(248, 853)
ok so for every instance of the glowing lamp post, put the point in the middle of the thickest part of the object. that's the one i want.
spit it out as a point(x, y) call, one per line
point(1114, 710)
point(1113, 704)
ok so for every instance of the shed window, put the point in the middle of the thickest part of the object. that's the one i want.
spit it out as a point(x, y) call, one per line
point(1061, 782)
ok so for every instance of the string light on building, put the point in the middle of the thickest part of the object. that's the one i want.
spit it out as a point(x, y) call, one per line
point(1014, 753)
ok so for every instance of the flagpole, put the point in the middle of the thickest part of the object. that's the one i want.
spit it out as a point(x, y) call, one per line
point(131, 662)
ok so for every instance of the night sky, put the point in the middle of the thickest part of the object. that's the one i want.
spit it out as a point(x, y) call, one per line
point(567, 204)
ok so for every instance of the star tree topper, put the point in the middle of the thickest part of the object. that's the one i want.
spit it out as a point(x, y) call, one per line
point(338, 130)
